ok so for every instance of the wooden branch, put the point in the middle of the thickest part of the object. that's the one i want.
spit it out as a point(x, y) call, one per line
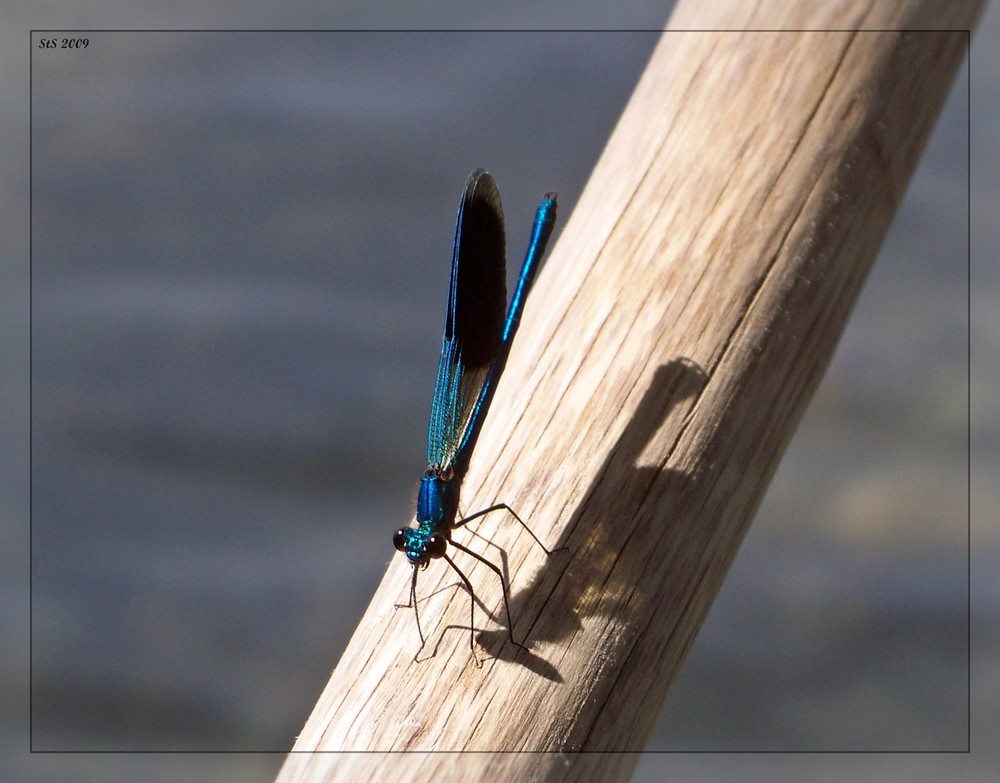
point(670, 346)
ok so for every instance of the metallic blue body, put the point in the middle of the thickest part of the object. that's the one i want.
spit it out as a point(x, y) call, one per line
point(462, 394)
point(437, 506)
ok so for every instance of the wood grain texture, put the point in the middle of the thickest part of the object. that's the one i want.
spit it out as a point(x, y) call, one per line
point(690, 307)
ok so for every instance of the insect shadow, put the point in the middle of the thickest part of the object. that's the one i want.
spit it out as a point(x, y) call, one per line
point(580, 581)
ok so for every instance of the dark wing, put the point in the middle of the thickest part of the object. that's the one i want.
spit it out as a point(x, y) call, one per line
point(477, 302)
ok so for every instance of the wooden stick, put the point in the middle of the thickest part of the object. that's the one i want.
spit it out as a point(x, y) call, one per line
point(670, 346)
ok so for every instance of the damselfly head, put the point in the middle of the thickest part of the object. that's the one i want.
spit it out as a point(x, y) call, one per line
point(419, 546)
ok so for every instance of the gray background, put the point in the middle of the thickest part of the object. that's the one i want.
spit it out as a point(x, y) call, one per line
point(240, 257)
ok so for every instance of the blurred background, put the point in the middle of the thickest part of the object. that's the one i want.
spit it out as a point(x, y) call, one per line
point(240, 250)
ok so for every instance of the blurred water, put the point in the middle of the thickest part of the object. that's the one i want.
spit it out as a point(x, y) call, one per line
point(240, 252)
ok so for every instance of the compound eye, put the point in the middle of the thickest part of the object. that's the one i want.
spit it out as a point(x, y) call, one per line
point(399, 539)
point(436, 546)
